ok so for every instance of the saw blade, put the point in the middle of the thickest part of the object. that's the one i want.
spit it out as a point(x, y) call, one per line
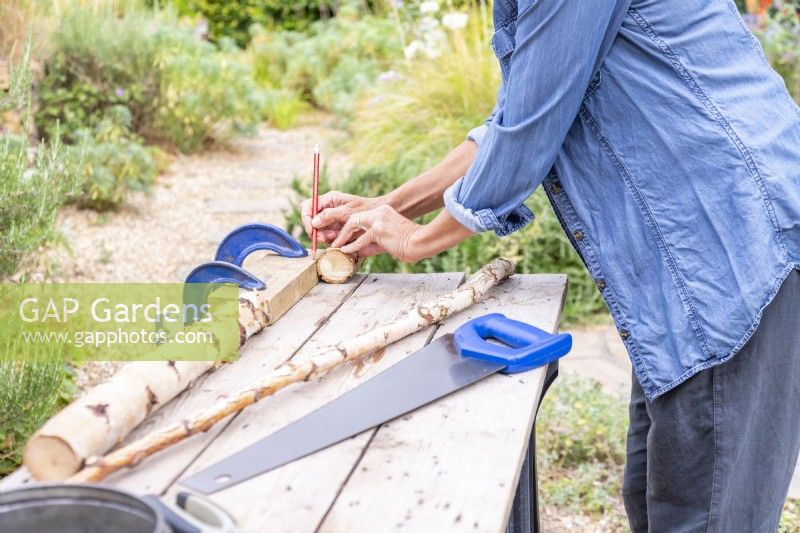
point(425, 376)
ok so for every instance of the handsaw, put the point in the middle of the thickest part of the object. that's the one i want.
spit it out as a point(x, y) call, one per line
point(446, 365)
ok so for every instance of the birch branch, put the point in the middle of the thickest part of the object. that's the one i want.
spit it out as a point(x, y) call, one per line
point(473, 290)
point(335, 266)
point(102, 418)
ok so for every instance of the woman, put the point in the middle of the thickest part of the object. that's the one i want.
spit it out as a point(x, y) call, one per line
point(671, 153)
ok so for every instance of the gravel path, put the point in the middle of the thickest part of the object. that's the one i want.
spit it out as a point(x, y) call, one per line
point(161, 235)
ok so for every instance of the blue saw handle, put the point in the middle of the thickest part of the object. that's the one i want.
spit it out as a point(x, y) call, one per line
point(527, 347)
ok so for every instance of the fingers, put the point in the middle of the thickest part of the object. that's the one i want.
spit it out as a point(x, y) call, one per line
point(363, 241)
point(371, 249)
point(327, 236)
point(330, 217)
point(331, 199)
point(352, 225)
point(305, 215)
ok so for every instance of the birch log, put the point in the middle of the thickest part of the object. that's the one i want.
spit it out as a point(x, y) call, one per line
point(101, 419)
point(335, 266)
point(473, 290)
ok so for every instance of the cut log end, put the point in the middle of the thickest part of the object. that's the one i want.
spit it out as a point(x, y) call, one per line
point(335, 266)
point(50, 458)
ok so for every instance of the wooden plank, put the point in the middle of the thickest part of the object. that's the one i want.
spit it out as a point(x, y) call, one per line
point(262, 352)
point(287, 280)
point(453, 465)
point(295, 497)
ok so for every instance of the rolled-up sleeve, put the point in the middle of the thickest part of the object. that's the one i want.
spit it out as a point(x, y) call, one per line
point(477, 133)
point(559, 46)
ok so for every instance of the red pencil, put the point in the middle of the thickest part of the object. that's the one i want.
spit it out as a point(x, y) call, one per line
point(315, 200)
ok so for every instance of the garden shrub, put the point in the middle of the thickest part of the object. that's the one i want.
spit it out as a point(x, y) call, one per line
point(283, 108)
point(780, 37)
point(110, 162)
point(30, 191)
point(581, 435)
point(30, 194)
point(332, 63)
point(790, 518)
point(427, 108)
point(233, 20)
point(581, 449)
point(205, 95)
point(590, 488)
point(98, 61)
point(178, 89)
point(584, 424)
point(31, 391)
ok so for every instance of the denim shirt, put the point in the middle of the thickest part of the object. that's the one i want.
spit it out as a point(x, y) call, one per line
point(670, 151)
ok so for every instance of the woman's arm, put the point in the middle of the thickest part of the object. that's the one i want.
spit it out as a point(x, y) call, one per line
point(384, 230)
point(415, 198)
point(424, 193)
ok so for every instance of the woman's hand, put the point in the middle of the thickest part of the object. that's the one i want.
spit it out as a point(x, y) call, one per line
point(334, 209)
point(380, 230)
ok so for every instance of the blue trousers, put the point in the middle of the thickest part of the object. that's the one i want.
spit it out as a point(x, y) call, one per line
point(717, 453)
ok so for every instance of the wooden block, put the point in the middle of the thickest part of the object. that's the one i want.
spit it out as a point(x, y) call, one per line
point(287, 279)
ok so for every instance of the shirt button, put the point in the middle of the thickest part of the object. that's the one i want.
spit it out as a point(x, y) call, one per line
point(624, 334)
point(578, 235)
point(601, 283)
point(555, 187)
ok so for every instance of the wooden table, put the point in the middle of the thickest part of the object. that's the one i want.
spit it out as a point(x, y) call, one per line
point(453, 465)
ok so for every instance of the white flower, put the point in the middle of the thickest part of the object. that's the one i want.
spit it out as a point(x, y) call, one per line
point(427, 24)
point(433, 52)
point(434, 40)
point(412, 49)
point(428, 7)
point(455, 20)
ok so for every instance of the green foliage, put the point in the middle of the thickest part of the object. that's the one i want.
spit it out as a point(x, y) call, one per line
point(178, 89)
point(233, 20)
point(110, 162)
point(331, 64)
point(590, 488)
point(30, 392)
point(205, 95)
point(780, 38)
point(584, 424)
point(581, 444)
point(30, 195)
point(790, 518)
point(99, 60)
point(283, 108)
point(429, 108)
point(30, 191)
